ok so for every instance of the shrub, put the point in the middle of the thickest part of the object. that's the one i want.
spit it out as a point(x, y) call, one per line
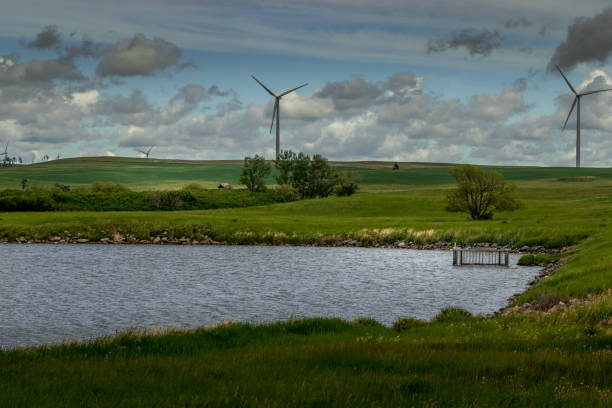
point(285, 193)
point(100, 187)
point(346, 188)
point(539, 259)
point(406, 323)
point(453, 314)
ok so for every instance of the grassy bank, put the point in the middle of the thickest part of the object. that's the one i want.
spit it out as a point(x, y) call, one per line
point(557, 357)
point(521, 361)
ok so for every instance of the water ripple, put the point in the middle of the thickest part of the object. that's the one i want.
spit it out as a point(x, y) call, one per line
point(52, 293)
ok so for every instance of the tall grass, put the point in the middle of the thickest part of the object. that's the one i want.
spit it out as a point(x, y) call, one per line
point(452, 361)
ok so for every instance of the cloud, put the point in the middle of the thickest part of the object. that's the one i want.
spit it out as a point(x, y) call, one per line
point(41, 72)
point(588, 40)
point(214, 90)
point(49, 37)
point(191, 94)
point(477, 42)
point(136, 111)
point(517, 22)
point(138, 56)
point(354, 93)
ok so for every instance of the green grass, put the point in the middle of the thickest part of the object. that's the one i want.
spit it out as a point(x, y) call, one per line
point(558, 359)
point(502, 361)
point(154, 174)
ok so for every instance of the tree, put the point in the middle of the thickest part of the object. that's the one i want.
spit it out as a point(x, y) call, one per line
point(284, 165)
point(395, 166)
point(322, 177)
point(254, 172)
point(479, 193)
point(310, 177)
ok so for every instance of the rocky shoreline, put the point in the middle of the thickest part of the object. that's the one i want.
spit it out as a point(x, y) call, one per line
point(119, 239)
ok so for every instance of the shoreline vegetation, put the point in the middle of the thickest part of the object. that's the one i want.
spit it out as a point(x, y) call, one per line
point(552, 346)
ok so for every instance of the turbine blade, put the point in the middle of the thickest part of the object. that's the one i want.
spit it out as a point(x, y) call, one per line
point(592, 92)
point(263, 86)
point(291, 90)
point(570, 112)
point(274, 114)
point(567, 81)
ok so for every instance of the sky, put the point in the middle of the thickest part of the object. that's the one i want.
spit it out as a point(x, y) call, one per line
point(394, 80)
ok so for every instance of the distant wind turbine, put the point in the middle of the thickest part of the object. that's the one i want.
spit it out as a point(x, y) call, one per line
point(577, 102)
point(145, 152)
point(276, 112)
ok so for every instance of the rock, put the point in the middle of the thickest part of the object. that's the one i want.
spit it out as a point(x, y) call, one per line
point(401, 244)
point(54, 238)
point(82, 240)
point(156, 240)
point(105, 240)
point(117, 237)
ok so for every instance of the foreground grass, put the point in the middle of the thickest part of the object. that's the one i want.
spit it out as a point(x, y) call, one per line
point(513, 360)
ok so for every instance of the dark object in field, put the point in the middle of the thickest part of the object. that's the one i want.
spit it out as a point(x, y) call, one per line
point(395, 166)
point(226, 186)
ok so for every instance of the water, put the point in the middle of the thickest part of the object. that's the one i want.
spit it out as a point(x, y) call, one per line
point(55, 293)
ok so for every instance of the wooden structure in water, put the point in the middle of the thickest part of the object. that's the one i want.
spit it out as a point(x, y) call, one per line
point(480, 256)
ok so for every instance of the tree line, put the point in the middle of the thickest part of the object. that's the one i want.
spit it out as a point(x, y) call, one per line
point(307, 176)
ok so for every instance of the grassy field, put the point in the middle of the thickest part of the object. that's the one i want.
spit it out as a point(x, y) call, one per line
point(554, 358)
point(153, 174)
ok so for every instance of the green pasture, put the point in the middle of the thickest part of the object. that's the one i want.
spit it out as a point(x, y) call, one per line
point(556, 359)
point(157, 174)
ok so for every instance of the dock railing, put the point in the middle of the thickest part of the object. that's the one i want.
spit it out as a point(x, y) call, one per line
point(480, 256)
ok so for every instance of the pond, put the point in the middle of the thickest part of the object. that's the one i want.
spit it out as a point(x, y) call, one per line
point(55, 293)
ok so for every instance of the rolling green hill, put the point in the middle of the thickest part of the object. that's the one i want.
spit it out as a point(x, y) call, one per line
point(154, 174)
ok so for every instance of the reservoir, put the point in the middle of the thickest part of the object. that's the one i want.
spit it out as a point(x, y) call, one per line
point(55, 293)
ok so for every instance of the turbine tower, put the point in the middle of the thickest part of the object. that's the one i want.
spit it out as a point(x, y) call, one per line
point(577, 102)
point(145, 152)
point(276, 112)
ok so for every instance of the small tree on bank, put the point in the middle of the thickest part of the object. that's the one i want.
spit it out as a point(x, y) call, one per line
point(479, 193)
point(254, 173)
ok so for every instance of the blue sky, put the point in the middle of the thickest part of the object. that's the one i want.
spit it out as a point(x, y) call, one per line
point(390, 80)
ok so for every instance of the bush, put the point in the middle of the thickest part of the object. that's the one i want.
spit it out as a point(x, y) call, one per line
point(539, 259)
point(100, 187)
point(346, 188)
point(285, 193)
point(453, 314)
point(406, 323)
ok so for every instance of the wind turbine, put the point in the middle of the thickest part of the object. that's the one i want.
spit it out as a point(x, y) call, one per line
point(6, 161)
point(145, 152)
point(577, 102)
point(276, 112)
